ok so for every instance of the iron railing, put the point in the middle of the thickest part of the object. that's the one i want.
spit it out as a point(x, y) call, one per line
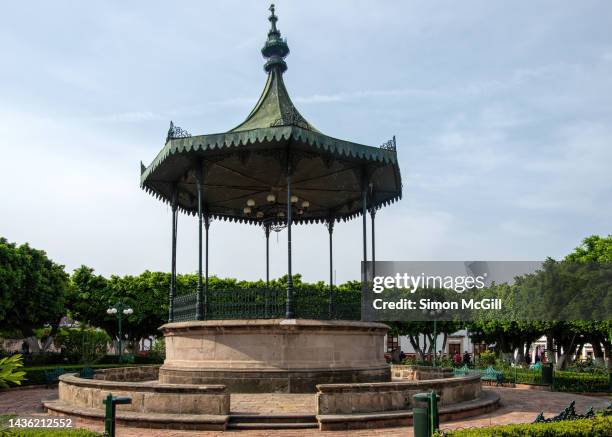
point(269, 303)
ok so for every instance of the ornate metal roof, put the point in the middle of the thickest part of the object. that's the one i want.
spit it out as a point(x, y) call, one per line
point(249, 161)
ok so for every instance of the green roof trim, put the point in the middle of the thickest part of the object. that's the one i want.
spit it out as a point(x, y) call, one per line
point(202, 143)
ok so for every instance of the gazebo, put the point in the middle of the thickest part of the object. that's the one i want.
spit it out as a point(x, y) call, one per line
point(274, 170)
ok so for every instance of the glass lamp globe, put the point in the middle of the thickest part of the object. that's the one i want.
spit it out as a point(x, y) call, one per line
point(250, 202)
point(305, 204)
point(294, 199)
point(128, 311)
point(247, 210)
point(271, 198)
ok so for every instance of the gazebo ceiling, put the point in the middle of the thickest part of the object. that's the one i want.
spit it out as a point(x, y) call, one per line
point(251, 161)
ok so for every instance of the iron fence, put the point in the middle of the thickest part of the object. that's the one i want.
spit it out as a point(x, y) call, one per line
point(269, 303)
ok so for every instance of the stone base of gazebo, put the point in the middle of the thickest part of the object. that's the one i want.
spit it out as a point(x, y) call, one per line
point(273, 355)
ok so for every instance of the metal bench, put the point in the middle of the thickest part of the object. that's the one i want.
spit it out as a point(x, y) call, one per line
point(86, 372)
point(462, 371)
point(491, 375)
point(52, 376)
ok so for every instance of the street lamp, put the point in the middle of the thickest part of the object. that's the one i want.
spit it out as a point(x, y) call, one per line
point(120, 310)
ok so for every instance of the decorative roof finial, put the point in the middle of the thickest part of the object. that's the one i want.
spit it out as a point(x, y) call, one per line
point(273, 18)
point(275, 48)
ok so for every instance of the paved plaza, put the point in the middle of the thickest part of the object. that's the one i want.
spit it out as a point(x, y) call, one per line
point(517, 406)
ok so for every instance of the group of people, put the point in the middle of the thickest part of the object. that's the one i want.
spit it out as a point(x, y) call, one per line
point(466, 359)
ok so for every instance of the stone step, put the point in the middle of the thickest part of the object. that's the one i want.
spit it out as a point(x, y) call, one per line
point(272, 421)
point(272, 418)
point(263, 425)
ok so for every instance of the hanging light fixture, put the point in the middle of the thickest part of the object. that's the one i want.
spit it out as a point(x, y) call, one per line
point(280, 214)
point(247, 210)
point(271, 198)
point(294, 199)
point(305, 204)
point(250, 202)
point(300, 211)
point(259, 214)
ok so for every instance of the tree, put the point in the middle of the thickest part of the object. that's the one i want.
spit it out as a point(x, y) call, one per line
point(32, 289)
point(599, 333)
point(420, 334)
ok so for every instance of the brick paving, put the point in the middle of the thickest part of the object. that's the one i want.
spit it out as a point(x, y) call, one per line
point(517, 406)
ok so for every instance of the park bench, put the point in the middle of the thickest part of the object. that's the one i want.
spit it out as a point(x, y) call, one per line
point(491, 375)
point(86, 372)
point(462, 371)
point(52, 376)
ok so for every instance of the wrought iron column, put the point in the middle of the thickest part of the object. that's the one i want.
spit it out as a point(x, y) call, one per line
point(289, 314)
point(205, 300)
point(173, 266)
point(267, 292)
point(330, 228)
point(364, 201)
point(200, 289)
point(372, 217)
point(267, 231)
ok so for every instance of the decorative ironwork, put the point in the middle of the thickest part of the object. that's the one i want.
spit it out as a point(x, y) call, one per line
point(176, 132)
point(568, 413)
point(389, 145)
point(269, 303)
point(290, 117)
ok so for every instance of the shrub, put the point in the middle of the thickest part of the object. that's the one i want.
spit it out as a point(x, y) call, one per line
point(45, 358)
point(82, 345)
point(36, 375)
point(158, 350)
point(581, 382)
point(9, 372)
point(487, 358)
point(599, 426)
point(49, 432)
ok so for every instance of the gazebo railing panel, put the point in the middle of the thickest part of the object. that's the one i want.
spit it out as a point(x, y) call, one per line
point(185, 307)
point(269, 303)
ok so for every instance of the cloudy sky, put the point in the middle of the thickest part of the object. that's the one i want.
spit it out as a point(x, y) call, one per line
point(502, 112)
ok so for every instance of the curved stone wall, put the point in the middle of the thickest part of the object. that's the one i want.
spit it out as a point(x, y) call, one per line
point(147, 397)
point(133, 374)
point(392, 396)
point(274, 355)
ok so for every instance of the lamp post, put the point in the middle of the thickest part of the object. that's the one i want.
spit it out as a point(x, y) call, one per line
point(119, 310)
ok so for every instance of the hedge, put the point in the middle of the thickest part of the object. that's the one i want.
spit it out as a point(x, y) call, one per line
point(597, 427)
point(36, 375)
point(49, 432)
point(581, 382)
point(562, 381)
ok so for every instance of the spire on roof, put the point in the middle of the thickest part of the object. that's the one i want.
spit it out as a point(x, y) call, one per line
point(274, 107)
point(275, 49)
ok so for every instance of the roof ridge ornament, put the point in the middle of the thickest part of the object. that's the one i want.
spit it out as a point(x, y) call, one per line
point(275, 49)
point(176, 132)
point(389, 145)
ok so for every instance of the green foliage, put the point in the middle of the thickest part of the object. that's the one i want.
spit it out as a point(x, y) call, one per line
point(487, 358)
point(593, 248)
point(32, 288)
point(82, 345)
point(158, 350)
point(36, 375)
point(581, 382)
point(9, 371)
point(588, 366)
point(599, 426)
point(50, 432)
